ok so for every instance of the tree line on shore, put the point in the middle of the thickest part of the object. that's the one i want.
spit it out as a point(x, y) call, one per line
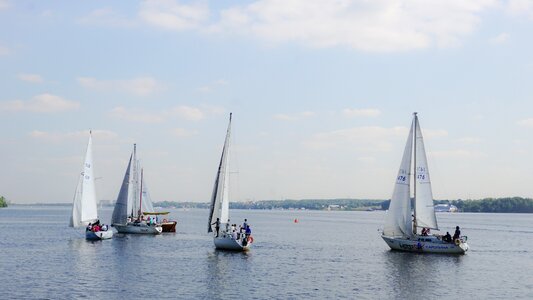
point(487, 205)
point(3, 201)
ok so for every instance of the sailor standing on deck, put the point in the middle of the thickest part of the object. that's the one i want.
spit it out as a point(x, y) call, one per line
point(457, 233)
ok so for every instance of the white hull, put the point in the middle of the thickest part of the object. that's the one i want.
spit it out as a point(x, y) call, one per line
point(100, 235)
point(228, 243)
point(139, 228)
point(425, 244)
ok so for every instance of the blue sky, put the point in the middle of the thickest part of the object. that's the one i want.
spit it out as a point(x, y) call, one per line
point(322, 94)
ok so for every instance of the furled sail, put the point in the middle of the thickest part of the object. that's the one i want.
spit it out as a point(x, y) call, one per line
point(398, 220)
point(120, 213)
point(220, 197)
point(424, 207)
point(84, 208)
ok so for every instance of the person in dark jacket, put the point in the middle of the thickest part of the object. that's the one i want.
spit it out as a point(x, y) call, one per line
point(447, 238)
point(457, 233)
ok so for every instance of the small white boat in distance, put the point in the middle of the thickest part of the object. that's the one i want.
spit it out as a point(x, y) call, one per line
point(132, 198)
point(219, 209)
point(401, 224)
point(84, 209)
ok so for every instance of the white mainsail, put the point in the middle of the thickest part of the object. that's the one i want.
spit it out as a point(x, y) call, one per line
point(398, 219)
point(220, 197)
point(424, 207)
point(134, 197)
point(84, 208)
point(147, 204)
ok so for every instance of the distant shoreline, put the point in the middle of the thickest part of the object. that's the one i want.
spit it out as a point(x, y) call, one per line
point(487, 205)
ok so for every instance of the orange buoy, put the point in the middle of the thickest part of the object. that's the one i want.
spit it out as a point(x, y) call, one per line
point(296, 221)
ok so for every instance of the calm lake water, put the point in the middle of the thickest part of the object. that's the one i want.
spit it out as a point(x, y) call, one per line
point(325, 255)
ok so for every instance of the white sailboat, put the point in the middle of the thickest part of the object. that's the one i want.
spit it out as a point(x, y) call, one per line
point(134, 199)
point(219, 209)
point(401, 225)
point(84, 210)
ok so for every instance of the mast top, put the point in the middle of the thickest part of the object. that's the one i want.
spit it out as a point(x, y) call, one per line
point(230, 115)
point(415, 113)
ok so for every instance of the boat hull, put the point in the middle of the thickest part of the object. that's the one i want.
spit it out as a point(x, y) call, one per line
point(228, 243)
point(138, 228)
point(169, 226)
point(422, 244)
point(99, 235)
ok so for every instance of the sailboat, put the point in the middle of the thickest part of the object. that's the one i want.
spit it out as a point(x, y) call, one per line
point(134, 199)
point(84, 210)
point(401, 224)
point(219, 209)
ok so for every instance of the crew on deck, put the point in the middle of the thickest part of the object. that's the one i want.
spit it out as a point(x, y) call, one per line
point(447, 238)
point(457, 233)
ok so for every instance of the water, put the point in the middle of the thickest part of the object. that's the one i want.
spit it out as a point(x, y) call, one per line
point(325, 255)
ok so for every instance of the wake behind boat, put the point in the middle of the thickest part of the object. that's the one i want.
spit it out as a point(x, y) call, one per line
point(401, 225)
point(134, 197)
point(84, 210)
point(226, 236)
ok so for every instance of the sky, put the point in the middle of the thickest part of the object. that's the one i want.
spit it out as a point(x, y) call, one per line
point(322, 95)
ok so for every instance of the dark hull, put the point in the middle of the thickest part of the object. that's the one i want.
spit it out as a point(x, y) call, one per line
point(169, 226)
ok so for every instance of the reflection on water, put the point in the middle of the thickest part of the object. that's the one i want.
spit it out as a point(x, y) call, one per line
point(225, 272)
point(429, 275)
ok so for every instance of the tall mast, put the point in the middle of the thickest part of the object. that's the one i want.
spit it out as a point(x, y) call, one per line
point(141, 194)
point(414, 165)
point(135, 180)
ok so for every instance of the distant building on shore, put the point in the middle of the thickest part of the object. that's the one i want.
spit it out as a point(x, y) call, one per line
point(445, 208)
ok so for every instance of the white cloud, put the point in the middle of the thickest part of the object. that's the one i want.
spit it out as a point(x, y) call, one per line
point(378, 25)
point(44, 103)
point(374, 26)
point(139, 115)
point(136, 115)
point(499, 39)
point(372, 138)
point(33, 78)
point(78, 135)
point(367, 112)
point(295, 116)
point(520, 7)
point(182, 132)
point(4, 50)
point(211, 86)
point(188, 112)
point(172, 15)
point(434, 133)
point(525, 122)
point(212, 109)
point(4, 4)
point(142, 86)
point(106, 17)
